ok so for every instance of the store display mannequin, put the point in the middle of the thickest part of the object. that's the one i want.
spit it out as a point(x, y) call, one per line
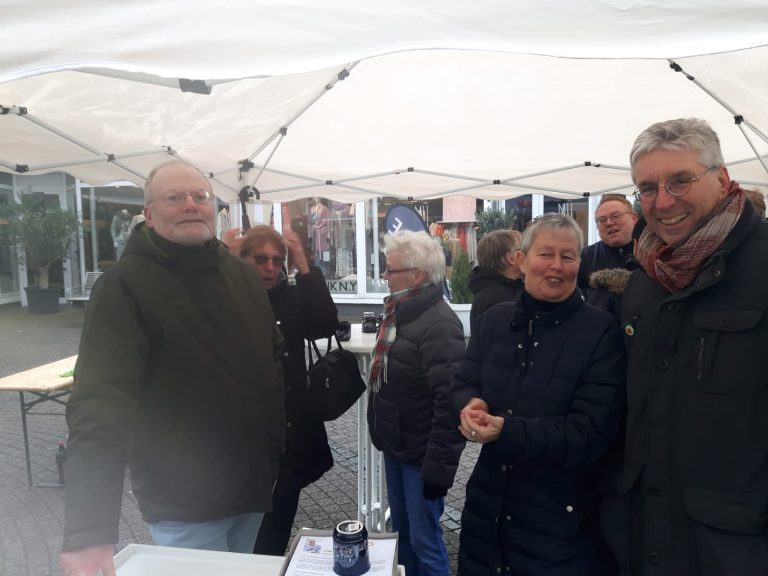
point(318, 219)
point(222, 222)
point(120, 229)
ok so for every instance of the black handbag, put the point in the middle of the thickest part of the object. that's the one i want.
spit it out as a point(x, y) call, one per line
point(334, 382)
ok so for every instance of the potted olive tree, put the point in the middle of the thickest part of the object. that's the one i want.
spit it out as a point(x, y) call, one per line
point(43, 236)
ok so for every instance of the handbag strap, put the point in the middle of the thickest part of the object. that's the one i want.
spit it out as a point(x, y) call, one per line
point(313, 345)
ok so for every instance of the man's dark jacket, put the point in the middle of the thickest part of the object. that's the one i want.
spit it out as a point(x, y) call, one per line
point(178, 377)
point(410, 418)
point(695, 472)
point(304, 310)
point(557, 379)
point(489, 288)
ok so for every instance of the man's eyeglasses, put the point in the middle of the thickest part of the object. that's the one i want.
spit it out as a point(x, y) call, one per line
point(262, 259)
point(647, 191)
point(613, 217)
point(173, 198)
point(389, 271)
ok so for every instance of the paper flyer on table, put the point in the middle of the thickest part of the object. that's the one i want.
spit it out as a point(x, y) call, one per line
point(311, 554)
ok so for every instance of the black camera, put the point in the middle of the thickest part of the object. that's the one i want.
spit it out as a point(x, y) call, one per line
point(344, 331)
point(369, 323)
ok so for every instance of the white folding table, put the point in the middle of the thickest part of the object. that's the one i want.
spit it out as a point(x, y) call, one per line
point(371, 486)
point(47, 383)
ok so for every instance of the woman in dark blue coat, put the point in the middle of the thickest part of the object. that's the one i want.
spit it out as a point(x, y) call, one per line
point(541, 389)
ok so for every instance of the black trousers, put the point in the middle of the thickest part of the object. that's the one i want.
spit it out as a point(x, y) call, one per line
point(275, 531)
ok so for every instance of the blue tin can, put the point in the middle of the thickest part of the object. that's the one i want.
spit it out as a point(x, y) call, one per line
point(350, 549)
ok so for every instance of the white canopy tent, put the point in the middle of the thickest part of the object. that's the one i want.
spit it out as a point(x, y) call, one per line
point(356, 99)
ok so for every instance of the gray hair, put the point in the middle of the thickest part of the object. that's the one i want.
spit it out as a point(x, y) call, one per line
point(551, 221)
point(419, 250)
point(679, 135)
point(159, 167)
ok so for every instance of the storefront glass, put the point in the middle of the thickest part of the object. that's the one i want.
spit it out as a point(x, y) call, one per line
point(522, 207)
point(328, 228)
point(109, 213)
point(9, 280)
point(577, 208)
point(451, 220)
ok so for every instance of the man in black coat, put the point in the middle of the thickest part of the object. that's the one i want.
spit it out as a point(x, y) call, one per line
point(691, 497)
point(615, 218)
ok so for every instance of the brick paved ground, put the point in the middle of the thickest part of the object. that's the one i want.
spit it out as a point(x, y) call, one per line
point(31, 519)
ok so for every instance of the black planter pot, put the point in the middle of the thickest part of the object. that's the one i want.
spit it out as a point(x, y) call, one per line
point(42, 300)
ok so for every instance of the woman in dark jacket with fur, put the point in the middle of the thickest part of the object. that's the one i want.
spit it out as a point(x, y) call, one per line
point(304, 310)
point(540, 388)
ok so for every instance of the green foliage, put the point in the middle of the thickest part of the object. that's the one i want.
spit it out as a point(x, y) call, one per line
point(42, 233)
point(460, 292)
point(495, 219)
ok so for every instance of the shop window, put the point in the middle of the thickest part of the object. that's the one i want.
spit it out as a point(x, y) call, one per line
point(522, 208)
point(9, 281)
point(457, 234)
point(108, 222)
point(577, 208)
point(328, 229)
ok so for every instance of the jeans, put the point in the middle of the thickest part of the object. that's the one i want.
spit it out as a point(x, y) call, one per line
point(420, 548)
point(232, 534)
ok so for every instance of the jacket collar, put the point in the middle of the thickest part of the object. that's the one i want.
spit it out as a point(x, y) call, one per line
point(411, 309)
point(553, 317)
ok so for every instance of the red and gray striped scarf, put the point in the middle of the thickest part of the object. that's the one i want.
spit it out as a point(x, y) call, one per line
point(675, 266)
point(386, 335)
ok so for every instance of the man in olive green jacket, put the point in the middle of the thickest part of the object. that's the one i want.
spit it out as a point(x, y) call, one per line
point(178, 377)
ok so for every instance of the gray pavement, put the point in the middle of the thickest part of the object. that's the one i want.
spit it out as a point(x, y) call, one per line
point(31, 520)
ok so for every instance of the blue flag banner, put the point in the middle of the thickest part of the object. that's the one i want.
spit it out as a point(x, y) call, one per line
point(403, 217)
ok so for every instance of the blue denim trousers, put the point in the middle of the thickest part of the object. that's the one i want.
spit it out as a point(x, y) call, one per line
point(233, 534)
point(420, 548)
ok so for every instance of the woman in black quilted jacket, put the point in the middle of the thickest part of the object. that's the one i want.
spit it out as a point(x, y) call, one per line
point(302, 310)
point(541, 388)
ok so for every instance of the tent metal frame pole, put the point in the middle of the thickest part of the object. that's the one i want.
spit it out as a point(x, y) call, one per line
point(544, 189)
point(77, 142)
point(739, 119)
point(342, 74)
point(447, 175)
point(609, 166)
point(223, 184)
point(432, 195)
point(546, 172)
point(94, 160)
point(266, 162)
point(760, 159)
point(319, 184)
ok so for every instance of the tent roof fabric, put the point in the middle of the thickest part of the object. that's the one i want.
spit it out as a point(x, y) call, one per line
point(355, 99)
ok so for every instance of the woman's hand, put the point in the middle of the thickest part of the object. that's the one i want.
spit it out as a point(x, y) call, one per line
point(296, 250)
point(233, 239)
point(477, 425)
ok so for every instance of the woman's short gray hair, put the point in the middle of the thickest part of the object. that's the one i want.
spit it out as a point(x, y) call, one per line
point(419, 250)
point(551, 221)
point(679, 135)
